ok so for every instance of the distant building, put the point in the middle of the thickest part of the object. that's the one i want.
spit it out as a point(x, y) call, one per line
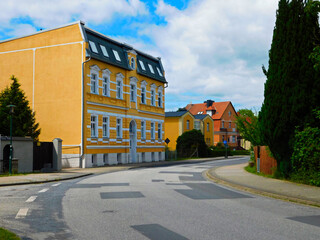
point(224, 120)
point(176, 123)
point(103, 98)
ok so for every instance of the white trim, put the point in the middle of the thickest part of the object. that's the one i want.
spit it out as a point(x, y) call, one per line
point(33, 76)
point(82, 35)
point(120, 146)
point(107, 105)
point(71, 145)
point(152, 113)
point(150, 146)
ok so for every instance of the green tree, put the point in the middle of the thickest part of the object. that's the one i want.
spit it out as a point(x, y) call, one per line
point(189, 141)
point(24, 122)
point(247, 124)
point(292, 86)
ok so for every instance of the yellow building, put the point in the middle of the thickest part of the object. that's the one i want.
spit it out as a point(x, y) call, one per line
point(179, 122)
point(103, 98)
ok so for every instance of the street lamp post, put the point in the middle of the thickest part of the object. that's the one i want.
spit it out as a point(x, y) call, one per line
point(11, 111)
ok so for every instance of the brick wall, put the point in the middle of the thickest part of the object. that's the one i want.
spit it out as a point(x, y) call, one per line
point(268, 164)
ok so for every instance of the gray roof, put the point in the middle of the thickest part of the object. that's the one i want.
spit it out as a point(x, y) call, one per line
point(200, 116)
point(175, 114)
point(122, 49)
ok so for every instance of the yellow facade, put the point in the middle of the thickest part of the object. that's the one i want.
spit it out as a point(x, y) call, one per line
point(176, 123)
point(55, 69)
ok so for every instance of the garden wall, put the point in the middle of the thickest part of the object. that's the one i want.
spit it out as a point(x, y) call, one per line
point(268, 164)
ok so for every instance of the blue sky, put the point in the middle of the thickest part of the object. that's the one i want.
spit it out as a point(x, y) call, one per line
point(210, 49)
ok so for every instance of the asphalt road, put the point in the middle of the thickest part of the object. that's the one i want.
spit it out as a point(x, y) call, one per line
point(173, 202)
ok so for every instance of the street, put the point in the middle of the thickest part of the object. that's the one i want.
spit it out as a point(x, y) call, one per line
point(167, 202)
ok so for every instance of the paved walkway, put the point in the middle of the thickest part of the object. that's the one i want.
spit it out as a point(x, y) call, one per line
point(235, 176)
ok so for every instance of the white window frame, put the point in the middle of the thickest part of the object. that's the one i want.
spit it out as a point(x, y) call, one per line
point(133, 89)
point(119, 128)
point(143, 130)
point(94, 83)
point(159, 131)
point(132, 63)
point(142, 65)
point(105, 127)
point(233, 138)
point(151, 68)
point(94, 126)
point(153, 97)
point(143, 85)
point(119, 88)
point(188, 125)
point(116, 55)
point(152, 130)
point(104, 50)
point(160, 89)
point(106, 84)
point(93, 46)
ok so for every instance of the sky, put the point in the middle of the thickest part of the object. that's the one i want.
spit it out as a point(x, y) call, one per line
point(210, 49)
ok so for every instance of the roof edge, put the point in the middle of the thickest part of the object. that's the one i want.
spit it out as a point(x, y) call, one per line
point(42, 31)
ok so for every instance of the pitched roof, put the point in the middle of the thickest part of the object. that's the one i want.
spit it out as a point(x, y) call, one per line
point(175, 114)
point(200, 116)
point(202, 108)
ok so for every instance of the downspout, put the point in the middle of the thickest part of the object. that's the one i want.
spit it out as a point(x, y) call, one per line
point(82, 137)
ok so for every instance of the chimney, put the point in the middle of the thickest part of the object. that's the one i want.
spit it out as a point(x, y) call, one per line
point(209, 103)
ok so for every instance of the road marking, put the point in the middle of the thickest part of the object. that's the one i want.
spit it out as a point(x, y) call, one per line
point(22, 213)
point(43, 190)
point(55, 185)
point(31, 199)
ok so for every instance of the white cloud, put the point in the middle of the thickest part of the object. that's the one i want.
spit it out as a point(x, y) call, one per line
point(216, 48)
point(52, 13)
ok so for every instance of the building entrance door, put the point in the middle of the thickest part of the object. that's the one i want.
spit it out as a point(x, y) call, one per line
point(133, 141)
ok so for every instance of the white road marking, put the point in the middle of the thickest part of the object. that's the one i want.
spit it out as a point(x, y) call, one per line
point(31, 199)
point(22, 213)
point(43, 190)
point(55, 185)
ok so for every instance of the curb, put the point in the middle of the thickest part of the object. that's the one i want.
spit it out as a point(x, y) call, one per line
point(240, 187)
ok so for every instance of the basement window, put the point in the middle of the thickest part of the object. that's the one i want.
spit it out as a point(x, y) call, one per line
point(93, 47)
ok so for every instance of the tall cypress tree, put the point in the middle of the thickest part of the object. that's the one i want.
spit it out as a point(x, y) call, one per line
point(289, 98)
point(24, 122)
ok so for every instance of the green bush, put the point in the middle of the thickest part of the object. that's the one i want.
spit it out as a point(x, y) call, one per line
point(305, 159)
point(190, 142)
point(212, 152)
point(240, 152)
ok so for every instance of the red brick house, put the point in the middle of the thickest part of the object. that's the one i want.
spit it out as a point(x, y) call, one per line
point(224, 120)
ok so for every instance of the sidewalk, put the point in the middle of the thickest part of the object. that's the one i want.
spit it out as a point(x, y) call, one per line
point(235, 176)
point(71, 173)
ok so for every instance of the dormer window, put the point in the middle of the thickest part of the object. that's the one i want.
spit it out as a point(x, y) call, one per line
point(142, 65)
point(116, 55)
point(151, 68)
point(159, 72)
point(104, 51)
point(132, 63)
point(93, 47)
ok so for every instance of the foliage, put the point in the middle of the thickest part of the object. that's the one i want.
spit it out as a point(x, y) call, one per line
point(240, 152)
point(247, 124)
point(292, 86)
point(218, 152)
point(24, 122)
point(5, 234)
point(189, 141)
point(306, 155)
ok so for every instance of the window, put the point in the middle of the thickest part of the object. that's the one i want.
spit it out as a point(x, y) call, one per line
point(132, 93)
point(94, 127)
point(132, 63)
point(105, 86)
point(152, 131)
point(119, 128)
point(151, 68)
point(119, 89)
point(229, 124)
point(209, 112)
point(222, 124)
point(208, 127)
point(229, 113)
point(143, 95)
point(105, 127)
point(159, 72)
point(233, 139)
point(119, 157)
point(94, 83)
point(159, 99)
point(159, 131)
point(222, 138)
point(142, 65)
point(143, 130)
point(188, 124)
point(104, 51)
point(93, 47)
point(197, 125)
point(153, 98)
point(116, 55)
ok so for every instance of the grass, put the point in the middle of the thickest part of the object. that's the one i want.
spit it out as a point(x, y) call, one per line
point(13, 174)
point(7, 235)
point(253, 170)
